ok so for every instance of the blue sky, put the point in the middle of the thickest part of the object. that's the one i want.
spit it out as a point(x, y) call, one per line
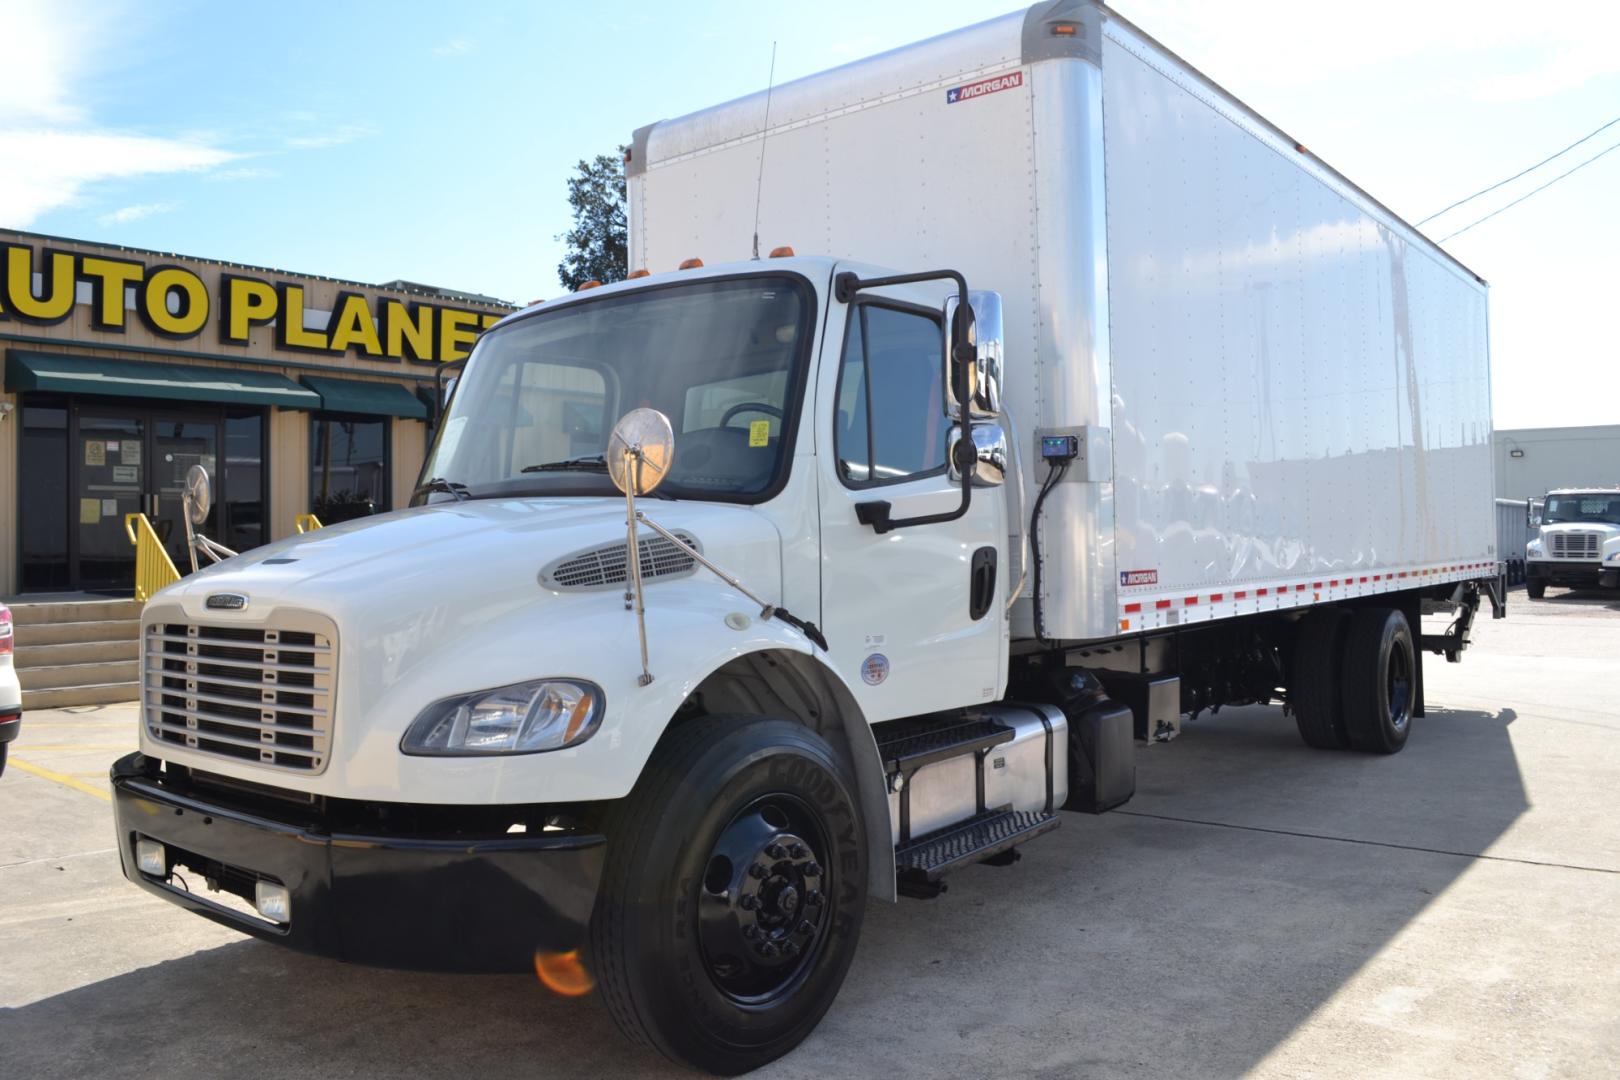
point(432, 142)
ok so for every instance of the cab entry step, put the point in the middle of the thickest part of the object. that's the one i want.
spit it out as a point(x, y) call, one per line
point(928, 858)
point(908, 745)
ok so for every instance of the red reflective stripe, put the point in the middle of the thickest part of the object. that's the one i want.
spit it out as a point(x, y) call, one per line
point(1364, 580)
point(1132, 608)
point(1190, 601)
point(1240, 594)
point(1216, 598)
point(1260, 592)
point(1300, 587)
point(1162, 604)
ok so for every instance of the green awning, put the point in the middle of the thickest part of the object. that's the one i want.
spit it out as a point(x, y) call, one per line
point(369, 398)
point(145, 379)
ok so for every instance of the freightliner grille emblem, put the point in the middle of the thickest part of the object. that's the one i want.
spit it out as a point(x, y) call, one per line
point(226, 601)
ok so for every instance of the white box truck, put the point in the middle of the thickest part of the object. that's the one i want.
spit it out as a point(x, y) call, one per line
point(1575, 540)
point(1092, 402)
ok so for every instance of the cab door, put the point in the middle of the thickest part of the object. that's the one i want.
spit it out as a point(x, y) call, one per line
point(905, 612)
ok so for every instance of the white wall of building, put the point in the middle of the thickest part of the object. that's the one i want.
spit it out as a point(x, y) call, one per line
point(1549, 458)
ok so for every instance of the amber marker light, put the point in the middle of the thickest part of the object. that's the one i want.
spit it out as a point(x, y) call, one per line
point(643, 272)
point(1065, 29)
point(563, 973)
point(691, 264)
point(592, 284)
point(783, 252)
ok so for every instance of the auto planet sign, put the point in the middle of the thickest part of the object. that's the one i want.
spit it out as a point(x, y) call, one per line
point(1010, 81)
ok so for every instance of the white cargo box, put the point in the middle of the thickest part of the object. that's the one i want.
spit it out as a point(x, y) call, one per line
point(1282, 390)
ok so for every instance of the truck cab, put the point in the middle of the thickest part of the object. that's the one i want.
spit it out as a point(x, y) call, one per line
point(1576, 540)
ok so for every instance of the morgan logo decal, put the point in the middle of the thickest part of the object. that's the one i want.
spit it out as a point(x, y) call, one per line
point(1010, 81)
point(874, 669)
point(1128, 578)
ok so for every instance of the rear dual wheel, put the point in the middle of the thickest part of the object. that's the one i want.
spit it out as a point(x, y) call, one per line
point(1354, 680)
point(733, 893)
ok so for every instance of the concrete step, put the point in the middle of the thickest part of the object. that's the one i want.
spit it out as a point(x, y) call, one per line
point(73, 632)
point(57, 676)
point(33, 612)
point(75, 652)
point(94, 694)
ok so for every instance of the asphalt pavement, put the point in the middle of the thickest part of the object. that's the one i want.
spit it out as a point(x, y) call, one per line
point(1258, 909)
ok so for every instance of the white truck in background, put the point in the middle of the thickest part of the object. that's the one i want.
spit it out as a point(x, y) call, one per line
point(1575, 542)
point(1093, 402)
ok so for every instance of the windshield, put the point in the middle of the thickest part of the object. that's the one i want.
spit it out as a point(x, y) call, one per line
point(723, 359)
point(1601, 508)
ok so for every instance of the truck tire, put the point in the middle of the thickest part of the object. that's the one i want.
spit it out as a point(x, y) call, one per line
point(732, 894)
point(1380, 680)
point(1535, 588)
point(1314, 685)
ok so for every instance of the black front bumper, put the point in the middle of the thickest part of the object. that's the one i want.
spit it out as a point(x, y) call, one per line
point(1610, 578)
point(1580, 575)
point(398, 901)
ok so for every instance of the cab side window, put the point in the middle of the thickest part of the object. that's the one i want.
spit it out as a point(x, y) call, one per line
point(890, 424)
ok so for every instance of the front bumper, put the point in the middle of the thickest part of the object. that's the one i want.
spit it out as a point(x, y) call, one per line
point(1610, 577)
point(1554, 572)
point(10, 724)
point(482, 903)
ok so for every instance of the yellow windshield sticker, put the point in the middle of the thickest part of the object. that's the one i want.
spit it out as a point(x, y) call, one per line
point(759, 433)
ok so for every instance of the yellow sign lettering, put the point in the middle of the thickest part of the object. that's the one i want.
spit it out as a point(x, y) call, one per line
point(351, 326)
point(109, 280)
point(408, 331)
point(56, 303)
point(456, 328)
point(188, 295)
point(245, 303)
point(290, 330)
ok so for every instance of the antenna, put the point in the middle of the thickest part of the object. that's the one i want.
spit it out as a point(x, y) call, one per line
point(764, 134)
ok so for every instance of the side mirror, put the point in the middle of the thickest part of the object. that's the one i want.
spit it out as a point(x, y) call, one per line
point(198, 494)
point(1533, 512)
point(991, 459)
point(640, 451)
point(981, 332)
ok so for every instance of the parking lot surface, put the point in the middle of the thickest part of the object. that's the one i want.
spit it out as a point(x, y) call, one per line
point(1259, 908)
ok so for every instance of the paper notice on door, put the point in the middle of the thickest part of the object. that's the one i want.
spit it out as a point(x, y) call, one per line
point(112, 446)
point(131, 452)
point(95, 452)
point(759, 433)
point(89, 511)
point(126, 474)
point(109, 507)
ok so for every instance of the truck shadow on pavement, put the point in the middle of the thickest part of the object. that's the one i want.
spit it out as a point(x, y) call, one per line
point(1188, 934)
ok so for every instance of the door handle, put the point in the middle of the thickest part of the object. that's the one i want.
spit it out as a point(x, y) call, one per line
point(981, 582)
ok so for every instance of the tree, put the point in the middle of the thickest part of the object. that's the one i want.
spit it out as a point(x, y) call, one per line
point(598, 243)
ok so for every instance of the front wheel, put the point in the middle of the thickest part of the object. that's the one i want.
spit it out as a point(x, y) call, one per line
point(733, 893)
point(1535, 588)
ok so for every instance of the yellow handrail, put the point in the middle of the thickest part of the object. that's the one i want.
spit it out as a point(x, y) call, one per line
point(153, 567)
point(306, 523)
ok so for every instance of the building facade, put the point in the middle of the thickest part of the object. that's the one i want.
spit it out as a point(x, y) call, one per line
point(123, 368)
point(1532, 461)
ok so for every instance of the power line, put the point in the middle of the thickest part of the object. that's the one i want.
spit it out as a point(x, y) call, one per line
point(1520, 173)
point(1527, 194)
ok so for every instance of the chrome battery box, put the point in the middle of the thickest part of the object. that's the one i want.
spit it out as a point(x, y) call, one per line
point(945, 769)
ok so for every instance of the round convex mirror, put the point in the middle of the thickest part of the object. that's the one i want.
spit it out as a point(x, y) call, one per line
point(198, 494)
point(648, 433)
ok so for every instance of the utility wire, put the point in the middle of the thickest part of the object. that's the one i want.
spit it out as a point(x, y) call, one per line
point(1525, 196)
point(1520, 173)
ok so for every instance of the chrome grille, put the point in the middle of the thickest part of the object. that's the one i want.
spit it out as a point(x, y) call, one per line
point(604, 566)
point(1575, 545)
point(252, 693)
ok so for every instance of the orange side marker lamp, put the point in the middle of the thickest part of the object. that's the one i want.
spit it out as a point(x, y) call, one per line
point(563, 973)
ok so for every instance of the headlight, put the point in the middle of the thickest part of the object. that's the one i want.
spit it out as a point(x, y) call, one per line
point(547, 714)
point(1534, 547)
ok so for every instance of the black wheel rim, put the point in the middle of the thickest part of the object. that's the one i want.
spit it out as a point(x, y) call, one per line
point(1400, 687)
point(762, 903)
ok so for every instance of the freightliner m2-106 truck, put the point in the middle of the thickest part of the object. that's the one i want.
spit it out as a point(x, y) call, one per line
point(1091, 402)
point(1576, 540)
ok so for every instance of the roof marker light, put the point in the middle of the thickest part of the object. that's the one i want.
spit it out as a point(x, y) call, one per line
point(592, 284)
point(1065, 29)
point(783, 252)
point(690, 264)
point(643, 272)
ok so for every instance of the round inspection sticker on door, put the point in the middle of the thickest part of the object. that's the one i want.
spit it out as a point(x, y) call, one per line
point(874, 669)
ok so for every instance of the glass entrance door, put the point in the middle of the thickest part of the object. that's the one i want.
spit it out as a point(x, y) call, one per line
point(109, 455)
point(130, 461)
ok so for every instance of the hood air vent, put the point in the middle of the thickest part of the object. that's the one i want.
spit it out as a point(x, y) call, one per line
point(604, 567)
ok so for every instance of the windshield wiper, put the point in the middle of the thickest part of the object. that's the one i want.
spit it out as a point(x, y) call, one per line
point(449, 487)
point(592, 462)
